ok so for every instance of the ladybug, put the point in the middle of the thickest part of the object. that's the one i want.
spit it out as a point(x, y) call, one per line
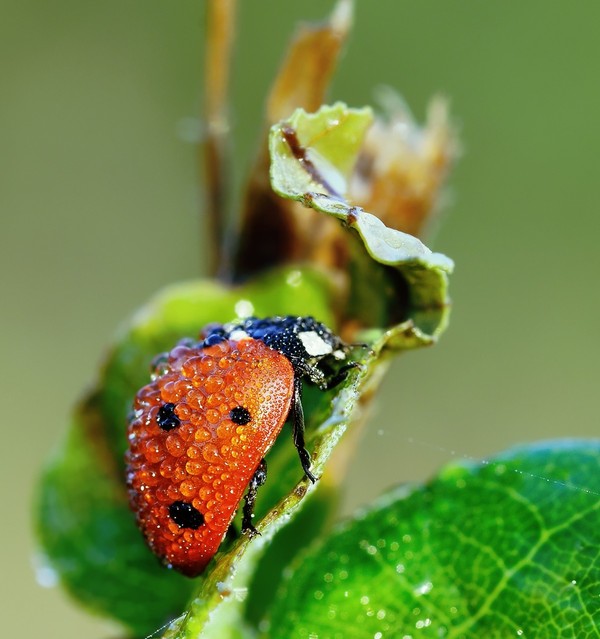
point(200, 430)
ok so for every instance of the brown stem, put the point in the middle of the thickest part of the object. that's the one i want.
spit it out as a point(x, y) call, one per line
point(220, 31)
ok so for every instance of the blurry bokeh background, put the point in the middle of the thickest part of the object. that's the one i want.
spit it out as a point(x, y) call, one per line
point(100, 208)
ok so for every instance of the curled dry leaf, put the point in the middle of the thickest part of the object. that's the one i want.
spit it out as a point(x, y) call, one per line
point(398, 280)
point(274, 231)
point(402, 166)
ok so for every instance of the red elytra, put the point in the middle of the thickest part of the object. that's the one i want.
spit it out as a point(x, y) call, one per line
point(187, 477)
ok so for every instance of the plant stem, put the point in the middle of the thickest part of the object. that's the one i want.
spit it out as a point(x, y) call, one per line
point(215, 149)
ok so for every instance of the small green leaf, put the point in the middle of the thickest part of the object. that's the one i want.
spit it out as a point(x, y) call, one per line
point(505, 548)
point(316, 152)
point(312, 158)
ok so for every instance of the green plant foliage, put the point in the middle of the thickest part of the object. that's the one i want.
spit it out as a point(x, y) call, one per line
point(87, 532)
point(505, 548)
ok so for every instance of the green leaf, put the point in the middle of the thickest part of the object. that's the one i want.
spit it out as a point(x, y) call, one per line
point(312, 158)
point(505, 548)
point(84, 524)
point(329, 141)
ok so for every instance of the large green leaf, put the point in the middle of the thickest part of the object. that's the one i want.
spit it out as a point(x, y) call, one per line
point(505, 548)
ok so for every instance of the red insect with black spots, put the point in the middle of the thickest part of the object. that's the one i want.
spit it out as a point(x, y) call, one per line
point(200, 430)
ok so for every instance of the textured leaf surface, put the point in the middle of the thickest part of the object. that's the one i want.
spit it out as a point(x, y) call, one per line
point(506, 548)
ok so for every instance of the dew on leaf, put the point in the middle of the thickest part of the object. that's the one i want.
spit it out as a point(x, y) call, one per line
point(294, 278)
point(424, 588)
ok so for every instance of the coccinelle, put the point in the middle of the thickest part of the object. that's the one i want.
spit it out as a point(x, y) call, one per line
point(200, 430)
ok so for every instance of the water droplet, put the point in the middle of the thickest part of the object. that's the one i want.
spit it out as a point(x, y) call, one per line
point(240, 594)
point(406, 539)
point(364, 600)
point(424, 588)
point(318, 595)
point(294, 278)
point(45, 575)
point(381, 614)
point(328, 577)
point(400, 568)
point(519, 632)
point(210, 453)
point(423, 623)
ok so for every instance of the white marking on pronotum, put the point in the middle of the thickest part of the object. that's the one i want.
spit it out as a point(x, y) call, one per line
point(314, 344)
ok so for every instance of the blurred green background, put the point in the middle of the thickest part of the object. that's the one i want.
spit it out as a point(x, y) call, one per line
point(99, 204)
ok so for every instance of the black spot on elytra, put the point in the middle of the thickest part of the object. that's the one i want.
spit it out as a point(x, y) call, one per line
point(240, 415)
point(166, 417)
point(185, 515)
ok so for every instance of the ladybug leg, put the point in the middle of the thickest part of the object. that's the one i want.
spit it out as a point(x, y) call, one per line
point(258, 479)
point(337, 378)
point(298, 417)
point(232, 533)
